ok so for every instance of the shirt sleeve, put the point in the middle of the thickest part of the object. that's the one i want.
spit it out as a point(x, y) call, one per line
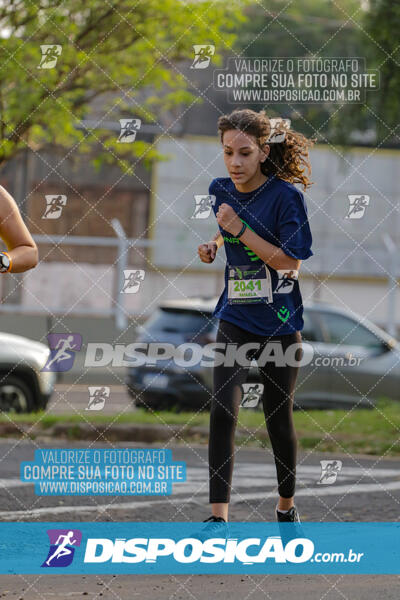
point(293, 228)
point(211, 191)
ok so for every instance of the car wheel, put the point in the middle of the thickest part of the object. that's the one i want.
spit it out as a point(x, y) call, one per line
point(15, 396)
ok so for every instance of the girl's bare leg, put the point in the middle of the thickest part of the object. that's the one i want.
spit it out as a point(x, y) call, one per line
point(220, 509)
point(285, 503)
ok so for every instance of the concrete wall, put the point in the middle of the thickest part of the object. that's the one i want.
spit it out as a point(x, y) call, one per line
point(350, 266)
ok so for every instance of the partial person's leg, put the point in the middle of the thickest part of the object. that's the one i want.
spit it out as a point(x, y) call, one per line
point(227, 394)
point(279, 384)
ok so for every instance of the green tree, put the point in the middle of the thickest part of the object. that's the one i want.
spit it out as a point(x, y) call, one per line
point(382, 26)
point(129, 50)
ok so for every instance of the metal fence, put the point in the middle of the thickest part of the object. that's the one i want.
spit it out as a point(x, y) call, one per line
point(122, 244)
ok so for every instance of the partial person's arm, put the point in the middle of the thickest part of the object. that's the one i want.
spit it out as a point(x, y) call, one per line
point(20, 246)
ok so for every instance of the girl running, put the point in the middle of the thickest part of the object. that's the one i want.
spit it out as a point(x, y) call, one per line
point(263, 224)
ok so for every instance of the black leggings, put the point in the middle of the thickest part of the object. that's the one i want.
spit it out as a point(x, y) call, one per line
point(277, 399)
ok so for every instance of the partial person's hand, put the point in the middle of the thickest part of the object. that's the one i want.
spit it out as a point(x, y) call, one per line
point(207, 252)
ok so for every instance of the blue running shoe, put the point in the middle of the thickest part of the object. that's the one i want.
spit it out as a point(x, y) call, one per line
point(289, 525)
point(216, 527)
point(291, 516)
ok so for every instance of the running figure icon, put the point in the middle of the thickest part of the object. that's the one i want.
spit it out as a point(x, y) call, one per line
point(203, 56)
point(55, 205)
point(204, 206)
point(286, 281)
point(98, 397)
point(49, 55)
point(133, 280)
point(63, 345)
point(62, 550)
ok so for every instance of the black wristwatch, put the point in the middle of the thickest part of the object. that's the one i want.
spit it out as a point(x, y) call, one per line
point(5, 262)
point(241, 232)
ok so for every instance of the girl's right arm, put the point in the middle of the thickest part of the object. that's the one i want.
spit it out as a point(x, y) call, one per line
point(218, 238)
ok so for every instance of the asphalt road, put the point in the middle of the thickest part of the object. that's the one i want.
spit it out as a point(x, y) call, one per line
point(367, 489)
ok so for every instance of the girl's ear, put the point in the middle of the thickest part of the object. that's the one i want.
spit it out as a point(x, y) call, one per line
point(265, 152)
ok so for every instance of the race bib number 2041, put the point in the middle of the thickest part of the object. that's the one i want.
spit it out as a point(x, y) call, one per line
point(249, 283)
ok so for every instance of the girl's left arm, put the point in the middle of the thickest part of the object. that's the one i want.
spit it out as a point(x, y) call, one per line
point(272, 255)
point(13, 231)
point(269, 253)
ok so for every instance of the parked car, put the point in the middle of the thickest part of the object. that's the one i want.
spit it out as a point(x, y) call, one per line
point(23, 387)
point(332, 335)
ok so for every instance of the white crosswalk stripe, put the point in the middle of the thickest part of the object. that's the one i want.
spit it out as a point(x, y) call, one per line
point(250, 482)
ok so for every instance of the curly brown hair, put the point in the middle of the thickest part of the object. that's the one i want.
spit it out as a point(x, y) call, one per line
point(288, 159)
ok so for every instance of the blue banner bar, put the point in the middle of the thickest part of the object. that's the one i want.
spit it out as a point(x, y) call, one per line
point(193, 548)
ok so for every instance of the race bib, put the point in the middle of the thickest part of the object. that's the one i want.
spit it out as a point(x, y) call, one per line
point(249, 284)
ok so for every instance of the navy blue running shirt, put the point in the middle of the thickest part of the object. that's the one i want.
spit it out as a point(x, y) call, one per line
point(277, 212)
